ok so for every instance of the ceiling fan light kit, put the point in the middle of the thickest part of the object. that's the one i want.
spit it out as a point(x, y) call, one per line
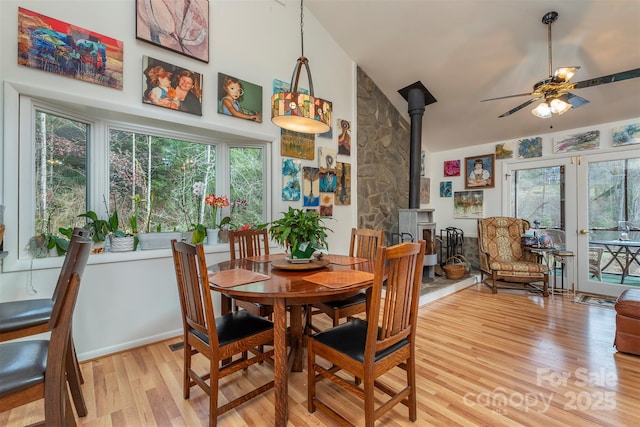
point(554, 90)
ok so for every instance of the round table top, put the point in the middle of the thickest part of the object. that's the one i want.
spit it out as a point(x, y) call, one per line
point(288, 284)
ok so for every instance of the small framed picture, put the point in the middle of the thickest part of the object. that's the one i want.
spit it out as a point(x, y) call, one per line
point(480, 171)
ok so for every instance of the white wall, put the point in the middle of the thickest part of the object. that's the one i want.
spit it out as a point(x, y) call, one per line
point(129, 303)
point(494, 198)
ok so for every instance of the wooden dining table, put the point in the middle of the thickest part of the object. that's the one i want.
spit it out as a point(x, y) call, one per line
point(275, 281)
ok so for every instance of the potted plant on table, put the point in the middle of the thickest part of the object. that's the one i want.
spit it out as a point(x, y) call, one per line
point(302, 232)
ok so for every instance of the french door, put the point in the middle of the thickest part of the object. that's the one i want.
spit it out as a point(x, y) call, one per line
point(583, 197)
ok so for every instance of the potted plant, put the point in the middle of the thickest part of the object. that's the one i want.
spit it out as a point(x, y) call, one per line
point(302, 232)
point(100, 228)
point(121, 240)
point(215, 203)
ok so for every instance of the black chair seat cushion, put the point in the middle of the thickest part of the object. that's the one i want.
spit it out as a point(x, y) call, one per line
point(23, 364)
point(24, 313)
point(235, 326)
point(349, 338)
point(359, 298)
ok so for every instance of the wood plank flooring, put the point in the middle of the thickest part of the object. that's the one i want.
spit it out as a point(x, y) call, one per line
point(489, 360)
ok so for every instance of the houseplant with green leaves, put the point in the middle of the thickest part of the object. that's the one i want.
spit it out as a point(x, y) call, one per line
point(100, 228)
point(302, 232)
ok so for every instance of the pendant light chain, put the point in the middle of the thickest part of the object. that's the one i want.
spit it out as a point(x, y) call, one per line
point(302, 27)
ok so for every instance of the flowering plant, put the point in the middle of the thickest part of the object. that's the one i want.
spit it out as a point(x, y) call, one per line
point(215, 203)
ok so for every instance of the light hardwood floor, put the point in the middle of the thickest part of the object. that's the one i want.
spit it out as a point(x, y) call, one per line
point(482, 359)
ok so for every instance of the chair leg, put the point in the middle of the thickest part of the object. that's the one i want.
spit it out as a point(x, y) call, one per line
point(186, 385)
point(74, 378)
point(311, 379)
point(214, 382)
point(411, 382)
point(369, 409)
point(494, 286)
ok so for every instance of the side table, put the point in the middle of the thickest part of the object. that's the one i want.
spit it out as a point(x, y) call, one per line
point(562, 257)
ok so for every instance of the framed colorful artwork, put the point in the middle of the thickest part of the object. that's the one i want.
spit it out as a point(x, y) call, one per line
point(291, 179)
point(328, 181)
point(311, 186)
point(327, 158)
point(529, 148)
point(452, 168)
point(239, 98)
point(344, 139)
point(343, 183)
point(170, 86)
point(181, 28)
point(577, 142)
point(468, 204)
point(626, 135)
point(423, 170)
point(425, 190)
point(54, 46)
point(445, 189)
point(326, 204)
point(298, 145)
point(479, 171)
point(504, 151)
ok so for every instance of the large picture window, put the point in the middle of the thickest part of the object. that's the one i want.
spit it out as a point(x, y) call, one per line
point(74, 161)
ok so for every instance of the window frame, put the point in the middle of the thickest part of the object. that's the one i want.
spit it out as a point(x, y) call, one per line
point(19, 171)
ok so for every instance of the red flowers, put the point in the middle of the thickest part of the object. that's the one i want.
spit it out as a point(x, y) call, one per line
point(215, 203)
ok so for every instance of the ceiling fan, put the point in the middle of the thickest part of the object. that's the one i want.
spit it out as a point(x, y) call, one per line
point(554, 90)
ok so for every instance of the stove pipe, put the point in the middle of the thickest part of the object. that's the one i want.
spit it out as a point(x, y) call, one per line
point(416, 111)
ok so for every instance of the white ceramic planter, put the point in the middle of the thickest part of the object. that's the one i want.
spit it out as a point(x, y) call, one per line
point(212, 236)
point(158, 240)
point(121, 244)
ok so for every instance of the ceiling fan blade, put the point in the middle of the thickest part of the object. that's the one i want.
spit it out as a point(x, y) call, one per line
point(623, 75)
point(575, 100)
point(520, 107)
point(509, 96)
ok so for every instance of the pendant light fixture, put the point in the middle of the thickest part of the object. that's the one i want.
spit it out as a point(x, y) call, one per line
point(298, 111)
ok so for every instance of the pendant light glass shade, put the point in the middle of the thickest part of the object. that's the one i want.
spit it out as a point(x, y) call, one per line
point(298, 111)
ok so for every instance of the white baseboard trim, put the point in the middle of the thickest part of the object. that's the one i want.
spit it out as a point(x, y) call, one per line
point(448, 290)
point(105, 351)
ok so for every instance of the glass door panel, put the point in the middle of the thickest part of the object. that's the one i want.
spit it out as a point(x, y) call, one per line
point(609, 211)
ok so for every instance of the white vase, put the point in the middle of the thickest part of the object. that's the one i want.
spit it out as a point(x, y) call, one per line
point(121, 244)
point(212, 236)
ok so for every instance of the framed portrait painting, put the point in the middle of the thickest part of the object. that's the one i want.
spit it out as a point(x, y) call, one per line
point(178, 25)
point(479, 171)
point(239, 98)
point(170, 86)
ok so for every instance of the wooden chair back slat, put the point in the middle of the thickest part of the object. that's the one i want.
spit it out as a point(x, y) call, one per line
point(365, 242)
point(246, 243)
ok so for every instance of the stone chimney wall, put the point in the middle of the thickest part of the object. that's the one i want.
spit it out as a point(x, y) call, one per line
point(383, 140)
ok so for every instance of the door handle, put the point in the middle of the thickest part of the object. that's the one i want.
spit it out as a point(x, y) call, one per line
point(584, 231)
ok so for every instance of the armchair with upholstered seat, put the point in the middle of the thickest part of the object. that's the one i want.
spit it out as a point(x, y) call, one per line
point(503, 258)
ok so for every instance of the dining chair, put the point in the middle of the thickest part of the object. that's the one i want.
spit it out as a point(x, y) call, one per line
point(23, 318)
point(246, 243)
point(503, 258)
point(215, 338)
point(370, 348)
point(35, 369)
point(595, 259)
point(364, 244)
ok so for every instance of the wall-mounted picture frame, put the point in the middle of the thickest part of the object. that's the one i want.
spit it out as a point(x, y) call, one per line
point(480, 171)
point(344, 139)
point(182, 29)
point(468, 204)
point(170, 86)
point(451, 168)
point(54, 46)
point(239, 98)
point(577, 142)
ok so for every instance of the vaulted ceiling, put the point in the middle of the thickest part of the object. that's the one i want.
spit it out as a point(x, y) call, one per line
point(465, 51)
